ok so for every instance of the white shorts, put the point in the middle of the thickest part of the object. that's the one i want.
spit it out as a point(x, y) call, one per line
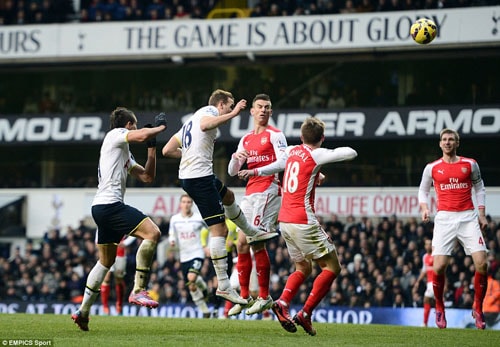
point(261, 209)
point(305, 241)
point(429, 291)
point(119, 267)
point(452, 226)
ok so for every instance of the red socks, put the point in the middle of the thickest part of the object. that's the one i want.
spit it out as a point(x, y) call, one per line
point(120, 288)
point(321, 286)
point(427, 311)
point(292, 286)
point(480, 286)
point(244, 267)
point(105, 289)
point(263, 267)
point(438, 286)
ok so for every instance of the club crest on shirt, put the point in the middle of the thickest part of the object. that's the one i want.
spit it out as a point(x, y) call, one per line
point(464, 169)
point(263, 140)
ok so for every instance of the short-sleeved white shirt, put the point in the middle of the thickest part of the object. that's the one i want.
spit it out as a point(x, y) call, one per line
point(186, 232)
point(197, 145)
point(115, 162)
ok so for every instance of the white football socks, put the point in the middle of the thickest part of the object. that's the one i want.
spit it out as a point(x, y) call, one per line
point(93, 286)
point(218, 253)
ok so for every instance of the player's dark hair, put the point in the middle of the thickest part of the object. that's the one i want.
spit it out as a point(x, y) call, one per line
point(312, 130)
point(218, 96)
point(262, 96)
point(449, 131)
point(120, 117)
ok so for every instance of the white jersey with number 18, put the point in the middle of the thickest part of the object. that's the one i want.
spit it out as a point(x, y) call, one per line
point(197, 145)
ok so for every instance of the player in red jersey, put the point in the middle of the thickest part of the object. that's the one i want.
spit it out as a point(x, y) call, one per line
point(305, 238)
point(453, 178)
point(427, 271)
point(262, 146)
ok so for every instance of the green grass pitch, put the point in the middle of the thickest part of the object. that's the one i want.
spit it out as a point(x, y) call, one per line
point(149, 331)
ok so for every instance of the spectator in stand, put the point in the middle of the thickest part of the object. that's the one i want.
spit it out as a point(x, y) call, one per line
point(107, 8)
point(197, 13)
point(335, 100)
point(122, 11)
point(348, 7)
point(365, 6)
point(154, 9)
point(137, 10)
point(181, 13)
point(274, 10)
point(331, 7)
point(396, 5)
point(257, 11)
point(491, 304)
point(382, 6)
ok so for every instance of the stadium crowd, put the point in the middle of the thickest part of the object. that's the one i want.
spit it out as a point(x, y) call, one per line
point(58, 11)
point(381, 261)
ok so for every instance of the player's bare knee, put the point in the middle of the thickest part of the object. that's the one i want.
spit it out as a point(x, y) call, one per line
point(242, 247)
point(228, 198)
point(481, 265)
point(258, 246)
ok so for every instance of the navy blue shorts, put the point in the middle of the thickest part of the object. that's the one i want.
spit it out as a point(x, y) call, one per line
point(115, 220)
point(193, 265)
point(207, 193)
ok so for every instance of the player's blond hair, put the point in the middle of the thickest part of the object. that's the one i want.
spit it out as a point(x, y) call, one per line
point(449, 131)
point(185, 196)
point(312, 130)
point(219, 95)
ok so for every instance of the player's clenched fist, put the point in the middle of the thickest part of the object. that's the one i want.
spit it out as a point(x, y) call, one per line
point(161, 119)
point(241, 105)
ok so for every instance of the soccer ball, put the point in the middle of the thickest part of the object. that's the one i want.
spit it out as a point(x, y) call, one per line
point(423, 31)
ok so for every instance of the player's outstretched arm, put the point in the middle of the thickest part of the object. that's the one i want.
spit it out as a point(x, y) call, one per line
point(172, 148)
point(212, 122)
point(324, 155)
point(149, 132)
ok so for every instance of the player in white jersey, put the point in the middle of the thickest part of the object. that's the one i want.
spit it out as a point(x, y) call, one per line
point(113, 217)
point(194, 145)
point(454, 178)
point(185, 230)
point(305, 239)
point(263, 145)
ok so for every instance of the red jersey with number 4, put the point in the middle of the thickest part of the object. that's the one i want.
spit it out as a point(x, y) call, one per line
point(453, 184)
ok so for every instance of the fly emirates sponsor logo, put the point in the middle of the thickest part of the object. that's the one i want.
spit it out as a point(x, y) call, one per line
point(454, 184)
point(254, 157)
